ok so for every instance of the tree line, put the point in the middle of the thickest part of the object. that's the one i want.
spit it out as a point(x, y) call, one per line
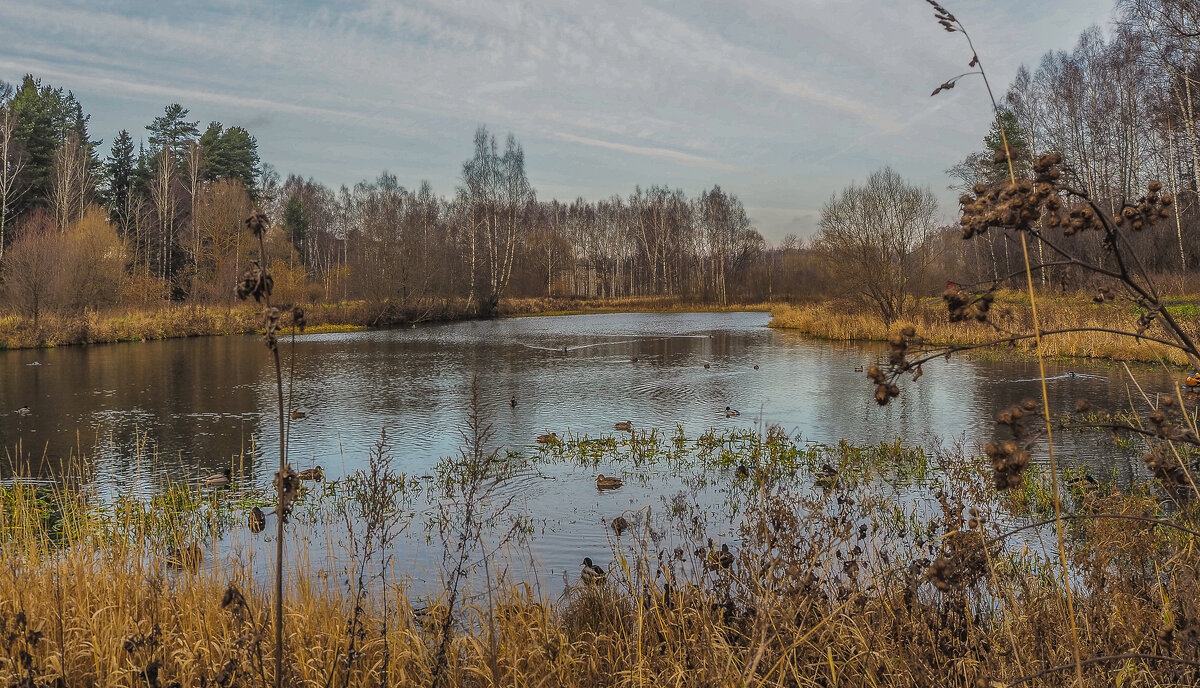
point(164, 209)
point(170, 209)
point(1123, 108)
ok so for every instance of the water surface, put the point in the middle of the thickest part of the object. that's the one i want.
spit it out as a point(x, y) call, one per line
point(146, 414)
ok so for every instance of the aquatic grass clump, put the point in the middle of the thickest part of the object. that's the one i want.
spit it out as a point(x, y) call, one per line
point(864, 581)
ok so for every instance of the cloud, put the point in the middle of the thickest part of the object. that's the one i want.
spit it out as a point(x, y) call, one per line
point(867, 112)
point(787, 100)
point(192, 95)
point(649, 151)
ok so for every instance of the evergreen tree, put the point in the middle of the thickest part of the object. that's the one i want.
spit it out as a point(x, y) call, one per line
point(172, 131)
point(120, 172)
point(46, 118)
point(35, 134)
point(141, 173)
point(230, 154)
point(295, 220)
point(1018, 147)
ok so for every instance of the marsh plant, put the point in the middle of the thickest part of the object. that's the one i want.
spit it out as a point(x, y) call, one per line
point(374, 517)
point(1036, 200)
point(258, 284)
point(469, 505)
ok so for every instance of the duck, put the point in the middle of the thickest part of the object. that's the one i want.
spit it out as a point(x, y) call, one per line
point(756, 366)
point(591, 574)
point(185, 557)
point(513, 402)
point(219, 479)
point(311, 474)
point(257, 521)
point(624, 425)
point(608, 483)
point(825, 476)
point(722, 559)
point(1082, 481)
point(24, 411)
point(299, 415)
point(619, 525)
point(706, 366)
point(730, 413)
point(548, 438)
point(633, 359)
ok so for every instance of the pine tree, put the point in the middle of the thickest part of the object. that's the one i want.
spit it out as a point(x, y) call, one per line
point(172, 131)
point(47, 117)
point(231, 154)
point(295, 220)
point(120, 172)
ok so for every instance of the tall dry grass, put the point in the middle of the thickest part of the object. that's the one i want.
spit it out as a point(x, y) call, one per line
point(840, 321)
point(170, 320)
point(828, 587)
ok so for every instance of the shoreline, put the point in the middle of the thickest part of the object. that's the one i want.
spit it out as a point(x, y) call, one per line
point(841, 322)
point(184, 321)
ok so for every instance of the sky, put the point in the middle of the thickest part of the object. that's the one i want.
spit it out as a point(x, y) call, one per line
point(781, 102)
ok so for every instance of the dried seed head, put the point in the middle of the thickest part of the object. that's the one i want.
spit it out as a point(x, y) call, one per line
point(257, 223)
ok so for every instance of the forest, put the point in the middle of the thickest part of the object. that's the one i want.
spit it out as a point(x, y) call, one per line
point(157, 215)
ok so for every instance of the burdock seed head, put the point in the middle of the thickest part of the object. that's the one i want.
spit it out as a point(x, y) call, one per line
point(257, 223)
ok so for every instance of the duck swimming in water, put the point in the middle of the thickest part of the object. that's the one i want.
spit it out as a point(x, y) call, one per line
point(619, 525)
point(24, 411)
point(825, 476)
point(257, 520)
point(624, 425)
point(185, 557)
point(730, 413)
point(719, 560)
point(311, 474)
point(219, 479)
point(608, 483)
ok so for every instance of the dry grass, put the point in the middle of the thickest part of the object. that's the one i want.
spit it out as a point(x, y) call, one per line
point(827, 589)
point(841, 322)
point(187, 320)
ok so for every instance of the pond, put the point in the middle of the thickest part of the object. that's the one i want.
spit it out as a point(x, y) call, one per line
point(149, 414)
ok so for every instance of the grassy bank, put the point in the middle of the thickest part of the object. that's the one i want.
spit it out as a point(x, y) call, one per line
point(843, 322)
point(174, 320)
point(841, 583)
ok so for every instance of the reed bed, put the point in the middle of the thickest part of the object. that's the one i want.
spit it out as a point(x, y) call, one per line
point(168, 321)
point(840, 321)
point(898, 568)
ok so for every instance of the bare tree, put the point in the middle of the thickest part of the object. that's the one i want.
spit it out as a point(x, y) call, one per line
point(874, 236)
point(164, 199)
point(31, 264)
point(12, 162)
point(71, 181)
point(497, 196)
